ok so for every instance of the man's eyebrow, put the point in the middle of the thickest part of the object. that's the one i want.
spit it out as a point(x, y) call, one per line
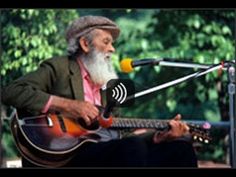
point(108, 39)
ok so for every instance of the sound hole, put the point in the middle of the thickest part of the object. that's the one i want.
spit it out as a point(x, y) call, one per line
point(93, 126)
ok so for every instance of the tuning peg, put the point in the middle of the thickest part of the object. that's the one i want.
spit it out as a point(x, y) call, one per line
point(200, 139)
point(195, 137)
point(206, 141)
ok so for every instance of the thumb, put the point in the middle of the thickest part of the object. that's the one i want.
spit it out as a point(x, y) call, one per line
point(177, 117)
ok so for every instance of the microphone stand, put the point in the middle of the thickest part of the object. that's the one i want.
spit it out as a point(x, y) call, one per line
point(206, 69)
point(1, 156)
point(232, 113)
point(231, 92)
point(177, 81)
point(176, 63)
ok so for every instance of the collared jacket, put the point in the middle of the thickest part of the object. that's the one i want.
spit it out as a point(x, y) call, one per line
point(59, 76)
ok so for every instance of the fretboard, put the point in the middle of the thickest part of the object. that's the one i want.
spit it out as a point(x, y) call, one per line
point(140, 123)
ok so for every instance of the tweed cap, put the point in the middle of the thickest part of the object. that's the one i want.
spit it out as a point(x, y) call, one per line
point(85, 24)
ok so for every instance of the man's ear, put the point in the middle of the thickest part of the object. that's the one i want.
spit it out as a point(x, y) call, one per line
point(84, 44)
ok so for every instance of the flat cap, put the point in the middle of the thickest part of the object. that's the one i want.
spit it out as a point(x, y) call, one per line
point(85, 24)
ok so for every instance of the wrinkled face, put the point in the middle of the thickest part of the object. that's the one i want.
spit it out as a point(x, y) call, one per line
point(103, 40)
point(98, 59)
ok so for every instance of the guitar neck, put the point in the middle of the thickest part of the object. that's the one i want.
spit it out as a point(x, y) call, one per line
point(140, 123)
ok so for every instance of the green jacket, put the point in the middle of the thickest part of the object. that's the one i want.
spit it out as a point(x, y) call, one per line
point(57, 76)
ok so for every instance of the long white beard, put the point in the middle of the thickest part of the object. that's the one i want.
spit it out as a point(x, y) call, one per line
point(99, 67)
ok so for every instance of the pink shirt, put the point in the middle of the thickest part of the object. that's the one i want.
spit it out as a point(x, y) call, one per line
point(91, 90)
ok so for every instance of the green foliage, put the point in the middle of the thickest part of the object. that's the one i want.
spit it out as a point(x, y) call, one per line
point(203, 36)
point(198, 36)
point(9, 148)
point(30, 36)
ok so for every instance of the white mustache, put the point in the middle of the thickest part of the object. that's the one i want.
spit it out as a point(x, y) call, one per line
point(108, 56)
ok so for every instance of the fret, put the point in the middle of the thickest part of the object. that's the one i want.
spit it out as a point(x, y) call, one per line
point(139, 123)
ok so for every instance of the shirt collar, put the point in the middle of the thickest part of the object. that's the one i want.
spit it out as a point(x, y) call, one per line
point(85, 74)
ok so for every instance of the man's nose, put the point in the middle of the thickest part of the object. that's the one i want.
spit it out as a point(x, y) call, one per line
point(111, 48)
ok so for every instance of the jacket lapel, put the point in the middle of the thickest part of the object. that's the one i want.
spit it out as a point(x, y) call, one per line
point(76, 80)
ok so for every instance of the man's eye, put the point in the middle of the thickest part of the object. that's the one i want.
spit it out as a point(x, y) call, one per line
point(106, 42)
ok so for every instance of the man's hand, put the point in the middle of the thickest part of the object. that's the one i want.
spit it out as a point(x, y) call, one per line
point(177, 130)
point(75, 109)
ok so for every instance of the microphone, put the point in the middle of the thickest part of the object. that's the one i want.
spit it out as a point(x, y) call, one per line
point(127, 65)
point(108, 110)
point(105, 120)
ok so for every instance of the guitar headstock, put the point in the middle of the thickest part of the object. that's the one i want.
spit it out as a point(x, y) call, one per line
point(200, 133)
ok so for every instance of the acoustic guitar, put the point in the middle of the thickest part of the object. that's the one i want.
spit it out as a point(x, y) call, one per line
point(50, 140)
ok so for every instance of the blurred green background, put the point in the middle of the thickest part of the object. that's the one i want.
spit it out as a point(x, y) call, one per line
point(29, 36)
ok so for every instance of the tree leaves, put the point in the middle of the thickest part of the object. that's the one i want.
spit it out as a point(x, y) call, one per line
point(29, 36)
point(198, 36)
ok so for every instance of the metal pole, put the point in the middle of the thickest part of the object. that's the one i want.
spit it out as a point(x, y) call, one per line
point(1, 156)
point(231, 91)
